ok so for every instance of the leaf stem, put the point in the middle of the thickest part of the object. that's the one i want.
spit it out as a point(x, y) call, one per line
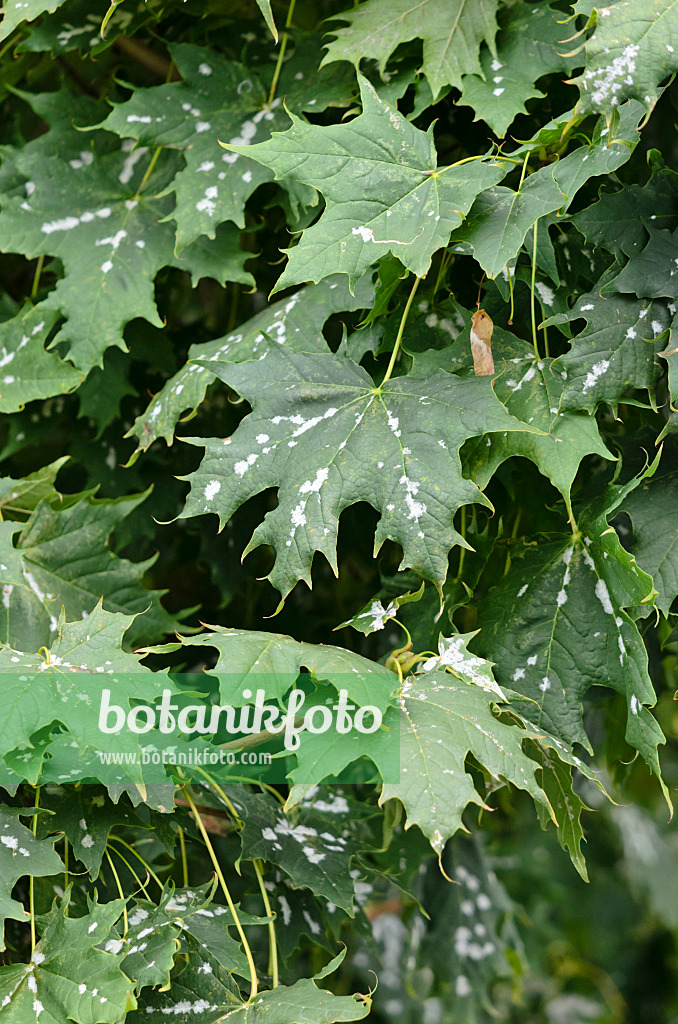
point(403, 321)
point(281, 53)
point(31, 891)
point(224, 889)
point(149, 172)
point(131, 849)
point(121, 893)
point(184, 861)
point(462, 549)
point(36, 276)
point(510, 284)
point(532, 303)
point(522, 174)
point(273, 945)
point(142, 885)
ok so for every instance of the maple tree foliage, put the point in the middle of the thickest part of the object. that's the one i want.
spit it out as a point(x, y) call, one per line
point(246, 439)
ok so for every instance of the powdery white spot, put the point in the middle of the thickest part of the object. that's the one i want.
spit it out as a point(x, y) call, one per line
point(202, 126)
point(106, 266)
point(597, 371)
point(497, 92)
point(366, 234)
point(528, 375)
point(607, 81)
point(241, 467)
point(603, 596)
point(204, 69)
point(656, 327)
point(546, 294)
point(212, 489)
point(87, 841)
point(583, 309)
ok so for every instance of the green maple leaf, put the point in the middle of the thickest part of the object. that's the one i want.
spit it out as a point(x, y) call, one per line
point(634, 47)
point(617, 220)
point(452, 32)
point(84, 812)
point(84, 209)
point(65, 685)
point(60, 558)
point(556, 625)
point(527, 49)
point(392, 446)
point(157, 933)
point(313, 843)
point(532, 391)
point(218, 99)
point(556, 781)
point(651, 273)
point(440, 720)
point(295, 322)
point(19, 497)
point(68, 978)
point(245, 655)
point(500, 218)
point(21, 854)
point(616, 352)
point(16, 12)
point(27, 371)
point(382, 188)
point(652, 509)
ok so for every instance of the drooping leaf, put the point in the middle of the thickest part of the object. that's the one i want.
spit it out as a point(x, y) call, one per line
point(556, 625)
point(652, 509)
point(245, 655)
point(60, 557)
point(528, 48)
point(451, 30)
point(382, 188)
point(21, 854)
point(633, 48)
point(556, 782)
point(404, 437)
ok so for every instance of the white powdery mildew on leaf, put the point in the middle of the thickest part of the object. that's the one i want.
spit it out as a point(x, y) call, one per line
point(606, 82)
point(597, 371)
